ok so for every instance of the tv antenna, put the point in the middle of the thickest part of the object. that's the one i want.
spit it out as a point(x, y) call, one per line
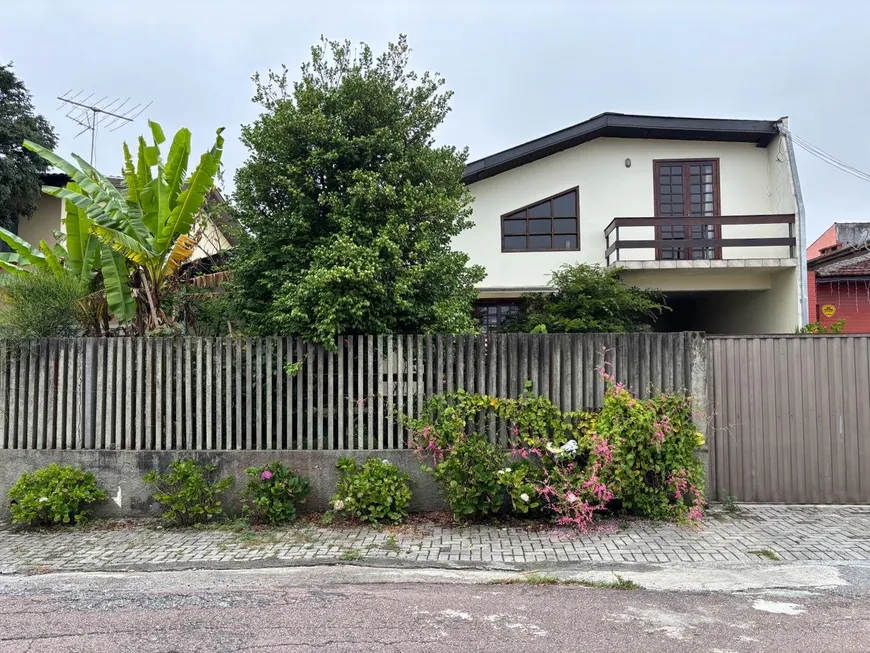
point(93, 115)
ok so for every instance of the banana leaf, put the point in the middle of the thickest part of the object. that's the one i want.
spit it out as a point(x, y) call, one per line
point(29, 255)
point(120, 299)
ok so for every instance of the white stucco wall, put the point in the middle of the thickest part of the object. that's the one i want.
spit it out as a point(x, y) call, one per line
point(44, 222)
point(752, 182)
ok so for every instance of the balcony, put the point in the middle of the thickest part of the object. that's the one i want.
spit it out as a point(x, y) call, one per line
point(701, 242)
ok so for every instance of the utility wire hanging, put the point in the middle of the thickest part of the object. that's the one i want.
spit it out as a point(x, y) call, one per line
point(104, 113)
point(827, 158)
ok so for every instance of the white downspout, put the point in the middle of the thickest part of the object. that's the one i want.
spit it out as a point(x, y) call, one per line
point(782, 125)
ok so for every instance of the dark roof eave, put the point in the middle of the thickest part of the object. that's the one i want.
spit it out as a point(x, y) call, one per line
point(618, 125)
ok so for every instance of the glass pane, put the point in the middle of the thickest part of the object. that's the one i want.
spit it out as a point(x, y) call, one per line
point(694, 170)
point(515, 226)
point(696, 209)
point(540, 210)
point(565, 226)
point(540, 226)
point(565, 206)
point(708, 170)
point(516, 216)
point(708, 208)
point(514, 243)
point(565, 242)
point(540, 242)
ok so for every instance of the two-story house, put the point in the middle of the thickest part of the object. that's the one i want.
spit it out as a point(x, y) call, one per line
point(708, 211)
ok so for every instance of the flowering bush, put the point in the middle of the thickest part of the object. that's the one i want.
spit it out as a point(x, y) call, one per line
point(54, 495)
point(636, 454)
point(273, 493)
point(189, 492)
point(372, 492)
point(654, 471)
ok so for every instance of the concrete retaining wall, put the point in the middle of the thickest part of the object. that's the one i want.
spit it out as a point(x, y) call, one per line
point(119, 474)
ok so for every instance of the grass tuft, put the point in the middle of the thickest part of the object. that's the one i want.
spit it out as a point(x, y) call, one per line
point(766, 553)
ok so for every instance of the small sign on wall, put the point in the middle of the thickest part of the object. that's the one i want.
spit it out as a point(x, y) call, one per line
point(828, 310)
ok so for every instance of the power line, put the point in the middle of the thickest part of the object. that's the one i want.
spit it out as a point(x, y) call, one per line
point(830, 159)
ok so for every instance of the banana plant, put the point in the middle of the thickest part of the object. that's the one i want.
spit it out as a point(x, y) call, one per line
point(144, 231)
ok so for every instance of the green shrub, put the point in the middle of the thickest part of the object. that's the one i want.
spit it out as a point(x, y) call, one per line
point(41, 305)
point(272, 494)
point(469, 478)
point(54, 495)
point(372, 492)
point(637, 454)
point(189, 492)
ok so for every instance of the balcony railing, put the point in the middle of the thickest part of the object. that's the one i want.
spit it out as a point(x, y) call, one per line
point(697, 238)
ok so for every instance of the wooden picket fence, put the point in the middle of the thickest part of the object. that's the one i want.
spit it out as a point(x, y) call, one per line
point(282, 393)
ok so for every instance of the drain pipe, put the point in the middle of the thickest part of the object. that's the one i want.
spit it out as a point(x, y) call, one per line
point(782, 126)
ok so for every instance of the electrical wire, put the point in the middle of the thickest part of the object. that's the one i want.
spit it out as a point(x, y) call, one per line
point(827, 158)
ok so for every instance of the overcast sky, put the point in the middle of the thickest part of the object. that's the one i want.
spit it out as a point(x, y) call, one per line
point(519, 69)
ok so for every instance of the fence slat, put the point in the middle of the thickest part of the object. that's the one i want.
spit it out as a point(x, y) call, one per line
point(321, 387)
point(360, 393)
point(330, 400)
point(44, 399)
point(309, 377)
point(409, 388)
point(301, 436)
point(400, 390)
point(168, 430)
point(108, 348)
point(269, 399)
point(256, 375)
point(219, 392)
point(240, 400)
point(342, 373)
point(209, 392)
point(188, 394)
point(421, 369)
point(379, 389)
point(391, 408)
point(141, 412)
point(249, 394)
point(370, 393)
point(280, 435)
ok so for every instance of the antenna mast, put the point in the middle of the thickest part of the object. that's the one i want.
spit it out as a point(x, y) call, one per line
point(104, 113)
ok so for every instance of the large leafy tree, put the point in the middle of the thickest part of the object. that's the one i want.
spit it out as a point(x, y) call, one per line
point(348, 206)
point(19, 169)
point(590, 299)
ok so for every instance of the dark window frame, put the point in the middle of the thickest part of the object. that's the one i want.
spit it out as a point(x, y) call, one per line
point(504, 309)
point(552, 218)
point(717, 205)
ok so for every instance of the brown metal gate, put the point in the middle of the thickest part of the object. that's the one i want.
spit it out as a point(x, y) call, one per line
point(789, 418)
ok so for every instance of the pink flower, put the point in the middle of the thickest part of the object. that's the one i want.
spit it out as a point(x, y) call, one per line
point(266, 475)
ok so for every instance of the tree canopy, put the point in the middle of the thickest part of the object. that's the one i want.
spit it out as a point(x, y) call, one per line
point(348, 206)
point(19, 169)
point(590, 299)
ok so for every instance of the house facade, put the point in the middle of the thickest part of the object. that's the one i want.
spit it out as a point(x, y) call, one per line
point(707, 211)
point(838, 276)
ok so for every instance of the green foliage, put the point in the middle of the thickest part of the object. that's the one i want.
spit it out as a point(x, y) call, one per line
point(190, 492)
point(292, 369)
point(729, 503)
point(637, 454)
point(144, 231)
point(348, 207)
point(655, 472)
point(41, 305)
point(19, 169)
point(54, 495)
point(817, 328)
point(469, 477)
point(372, 492)
point(589, 299)
point(273, 493)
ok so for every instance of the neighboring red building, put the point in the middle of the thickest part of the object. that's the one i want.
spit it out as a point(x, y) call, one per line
point(838, 277)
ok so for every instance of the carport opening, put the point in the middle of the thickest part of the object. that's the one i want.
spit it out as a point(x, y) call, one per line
point(719, 312)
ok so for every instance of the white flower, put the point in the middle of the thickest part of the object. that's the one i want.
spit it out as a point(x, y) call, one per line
point(571, 497)
point(501, 471)
point(569, 447)
point(338, 504)
point(524, 497)
point(507, 469)
point(552, 449)
point(386, 462)
point(43, 499)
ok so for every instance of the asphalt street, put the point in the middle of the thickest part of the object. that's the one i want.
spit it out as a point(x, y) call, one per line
point(351, 609)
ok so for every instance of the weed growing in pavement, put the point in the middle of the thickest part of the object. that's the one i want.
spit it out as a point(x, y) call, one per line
point(619, 583)
point(391, 544)
point(350, 555)
point(729, 504)
point(766, 553)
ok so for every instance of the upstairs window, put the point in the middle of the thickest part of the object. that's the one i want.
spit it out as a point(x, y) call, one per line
point(550, 224)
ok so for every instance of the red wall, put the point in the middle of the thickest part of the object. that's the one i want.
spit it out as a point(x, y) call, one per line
point(827, 239)
point(852, 301)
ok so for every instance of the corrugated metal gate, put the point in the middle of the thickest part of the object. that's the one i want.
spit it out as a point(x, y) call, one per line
point(789, 418)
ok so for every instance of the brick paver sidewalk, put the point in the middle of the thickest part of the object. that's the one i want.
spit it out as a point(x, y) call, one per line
point(794, 533)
